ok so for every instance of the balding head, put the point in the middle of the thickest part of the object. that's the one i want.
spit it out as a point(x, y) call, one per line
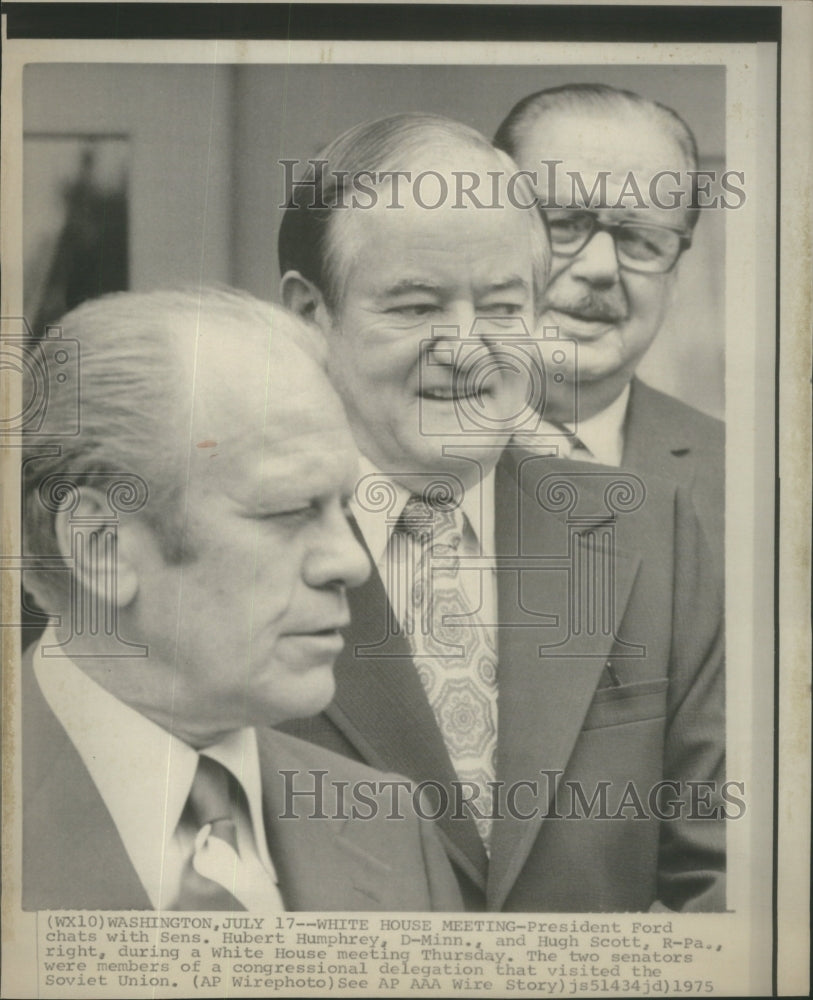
point(600, 102)
point(314, 238)
point(421, 291)
point(608, 128)
point(618, 229)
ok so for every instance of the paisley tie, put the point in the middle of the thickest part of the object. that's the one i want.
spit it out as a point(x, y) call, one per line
point(453, 652)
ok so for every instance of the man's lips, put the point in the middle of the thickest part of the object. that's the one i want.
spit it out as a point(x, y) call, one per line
point(330, 629)
point(448, 393)
point(588, 326)
point(456, 385)
point(312, 648)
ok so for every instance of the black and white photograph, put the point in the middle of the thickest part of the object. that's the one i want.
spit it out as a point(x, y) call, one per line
point(392, 477)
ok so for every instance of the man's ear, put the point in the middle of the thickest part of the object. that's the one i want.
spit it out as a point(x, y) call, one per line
point(105, 562)
point(302, 297)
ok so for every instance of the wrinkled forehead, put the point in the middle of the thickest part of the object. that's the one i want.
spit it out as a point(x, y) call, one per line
point(457, 176)
point(447, 197)
point(269, 431)
point(618, 140)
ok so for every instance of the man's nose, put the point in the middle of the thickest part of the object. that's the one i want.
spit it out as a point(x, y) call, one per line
point(597, 261)
point(336, 557)
point(457, 322)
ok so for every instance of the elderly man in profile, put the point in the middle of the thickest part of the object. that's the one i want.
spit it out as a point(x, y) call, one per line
point(525, 639)
point(197, 557)
point(615, 260)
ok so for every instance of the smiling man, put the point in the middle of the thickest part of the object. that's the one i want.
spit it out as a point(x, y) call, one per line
point(404, 278)
point(470, 662)
point(617, 239)
point(198, 558)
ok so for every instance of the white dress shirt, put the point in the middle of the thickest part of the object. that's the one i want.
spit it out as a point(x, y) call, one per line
point(144, 775)
point(477, 549)
point(602, 435)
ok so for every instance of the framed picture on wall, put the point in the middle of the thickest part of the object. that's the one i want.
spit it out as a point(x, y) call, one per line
point(77, 241)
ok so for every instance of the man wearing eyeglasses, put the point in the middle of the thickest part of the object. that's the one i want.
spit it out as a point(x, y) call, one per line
point(617, 238)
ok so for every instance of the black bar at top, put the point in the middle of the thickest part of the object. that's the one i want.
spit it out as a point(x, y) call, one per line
point(394, 22)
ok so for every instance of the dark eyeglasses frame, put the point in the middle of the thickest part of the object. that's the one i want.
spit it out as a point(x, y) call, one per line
point(611, 227)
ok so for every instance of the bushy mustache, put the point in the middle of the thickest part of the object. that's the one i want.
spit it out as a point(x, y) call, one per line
point(609, 306)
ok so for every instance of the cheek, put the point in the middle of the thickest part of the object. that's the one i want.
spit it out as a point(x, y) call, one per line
point(374, 363)
point(558, 269)
point(648, 298)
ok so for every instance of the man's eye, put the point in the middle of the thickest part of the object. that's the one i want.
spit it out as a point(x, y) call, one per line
point(564, 229)
point(501, 308)
point(645, 244)
point(292, 515)
point(414, 310)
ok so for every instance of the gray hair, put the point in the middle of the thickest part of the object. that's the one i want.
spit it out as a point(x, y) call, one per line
point(599, 99)
point(133, 399)
point(310, 239)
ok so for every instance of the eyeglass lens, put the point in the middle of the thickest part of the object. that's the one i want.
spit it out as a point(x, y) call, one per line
point(644, 247)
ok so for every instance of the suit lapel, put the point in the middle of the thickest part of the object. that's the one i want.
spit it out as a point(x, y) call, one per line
point(345, 876)
point(651, 444)
point(73, 855)
point(381, 707)
point(547, 675)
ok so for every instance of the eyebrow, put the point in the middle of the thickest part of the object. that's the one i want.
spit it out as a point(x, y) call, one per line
point(510, 281)
point(411, 285)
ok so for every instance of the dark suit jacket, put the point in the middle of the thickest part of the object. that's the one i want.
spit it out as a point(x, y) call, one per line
point(73, 857)
point(655, 713)
point(667, 438)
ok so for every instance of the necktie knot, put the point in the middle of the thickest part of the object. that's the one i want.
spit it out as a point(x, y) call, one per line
point(212, 802)
point(567, 444)
point(211, 871)
point(439, 524)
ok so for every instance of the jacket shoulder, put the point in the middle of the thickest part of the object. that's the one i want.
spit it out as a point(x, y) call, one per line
point(284, 751)
point(651, 407)
point(560, 488)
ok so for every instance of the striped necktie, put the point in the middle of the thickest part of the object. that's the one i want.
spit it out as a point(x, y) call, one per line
point(211, 871)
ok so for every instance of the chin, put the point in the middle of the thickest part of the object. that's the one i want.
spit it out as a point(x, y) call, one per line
point(595, 365)
point(312, 701)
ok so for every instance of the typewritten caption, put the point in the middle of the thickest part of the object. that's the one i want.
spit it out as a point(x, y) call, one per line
point(166, 955)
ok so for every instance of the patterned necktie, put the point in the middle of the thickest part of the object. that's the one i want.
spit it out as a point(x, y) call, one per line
point(452, 651)
point(210, 873)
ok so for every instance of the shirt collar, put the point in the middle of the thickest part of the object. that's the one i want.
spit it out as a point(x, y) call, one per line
point(238, 753)
point(377, 525)
point(142, 772)
point(602, 434)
